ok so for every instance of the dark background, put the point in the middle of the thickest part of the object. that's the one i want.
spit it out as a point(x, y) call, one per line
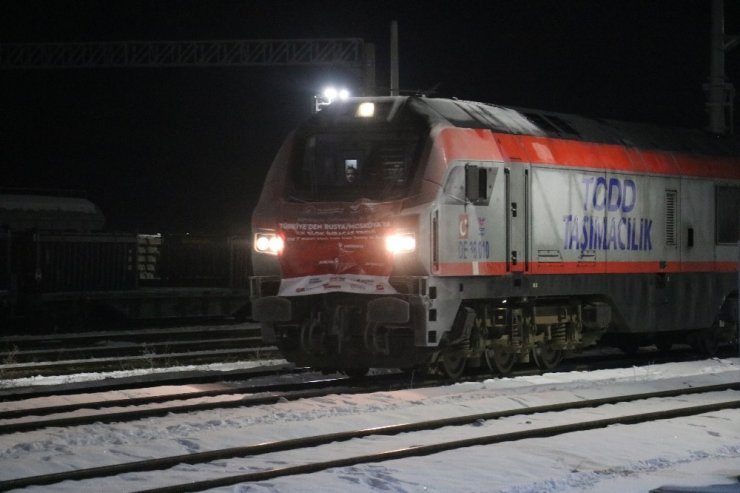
point(186, 149)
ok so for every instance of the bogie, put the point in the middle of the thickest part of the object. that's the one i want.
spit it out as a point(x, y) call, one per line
point(501, 333)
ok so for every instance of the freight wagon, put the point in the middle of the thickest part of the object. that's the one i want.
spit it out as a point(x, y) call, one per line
point(57, 270)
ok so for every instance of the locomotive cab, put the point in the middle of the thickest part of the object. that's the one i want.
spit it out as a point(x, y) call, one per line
point(347, 284)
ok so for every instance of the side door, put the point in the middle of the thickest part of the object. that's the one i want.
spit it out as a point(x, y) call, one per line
point(516, 205)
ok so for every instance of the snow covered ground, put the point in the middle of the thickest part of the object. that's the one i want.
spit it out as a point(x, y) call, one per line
point(700, 450)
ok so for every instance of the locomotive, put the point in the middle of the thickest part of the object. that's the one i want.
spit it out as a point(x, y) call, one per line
point(423, 233)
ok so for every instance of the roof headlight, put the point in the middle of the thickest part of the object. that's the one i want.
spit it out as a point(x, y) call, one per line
point(365, 110)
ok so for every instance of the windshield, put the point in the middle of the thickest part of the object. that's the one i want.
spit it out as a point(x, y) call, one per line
point(346, 166)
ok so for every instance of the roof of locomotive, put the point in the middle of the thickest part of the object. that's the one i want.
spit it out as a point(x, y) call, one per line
point(521, 121)
point(574, 127)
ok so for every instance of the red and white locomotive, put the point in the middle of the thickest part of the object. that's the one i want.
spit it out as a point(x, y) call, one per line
point(413, 232)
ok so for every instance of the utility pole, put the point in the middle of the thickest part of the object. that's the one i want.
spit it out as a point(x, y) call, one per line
point(395, 91)
point(369, 88)
point(720, 93)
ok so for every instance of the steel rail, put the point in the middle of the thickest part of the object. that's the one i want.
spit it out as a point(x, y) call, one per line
point(10, 346)
point(154, 399)
point(142, 381)
point(278, 392)
point(287, 391)
point(127, 349)
point(312, 441)
point(65, 367)
point(318, 388)
point(584, 362)
point(156, 333)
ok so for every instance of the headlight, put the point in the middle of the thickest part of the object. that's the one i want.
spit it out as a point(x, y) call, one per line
point(270, 243)
point(400, 243)
point(365, 110)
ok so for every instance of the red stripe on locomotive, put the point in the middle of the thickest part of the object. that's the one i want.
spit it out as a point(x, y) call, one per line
point(477, 144)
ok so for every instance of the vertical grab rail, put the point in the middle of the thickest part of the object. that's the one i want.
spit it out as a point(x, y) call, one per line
point(507, 212)
point(526, 220)
point(435, 241)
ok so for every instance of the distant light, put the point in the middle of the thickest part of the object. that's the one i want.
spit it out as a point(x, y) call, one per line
point(328, 96)
point(330, 93)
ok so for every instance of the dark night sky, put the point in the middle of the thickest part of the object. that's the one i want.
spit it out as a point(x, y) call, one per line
point(186, 149)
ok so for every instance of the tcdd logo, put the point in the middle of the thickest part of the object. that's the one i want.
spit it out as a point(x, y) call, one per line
point(617, 195)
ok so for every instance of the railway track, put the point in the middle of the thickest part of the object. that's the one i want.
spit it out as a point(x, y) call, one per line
point(64, 341)
point(30, 416)
point(417, 438)
point(92, 402)
point(60, 354)
point(30, 411)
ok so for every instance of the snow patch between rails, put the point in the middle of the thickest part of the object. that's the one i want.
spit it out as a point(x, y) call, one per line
point(88, 377)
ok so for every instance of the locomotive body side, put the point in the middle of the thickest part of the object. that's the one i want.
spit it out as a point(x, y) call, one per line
point(595, 225)
point(527, 244)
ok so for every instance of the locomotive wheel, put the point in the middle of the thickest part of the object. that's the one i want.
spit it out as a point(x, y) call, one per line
point(547, 358)
point(500, 360)
point(453, 363)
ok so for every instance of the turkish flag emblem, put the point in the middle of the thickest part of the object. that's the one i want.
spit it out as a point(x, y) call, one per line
point(463, 226)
